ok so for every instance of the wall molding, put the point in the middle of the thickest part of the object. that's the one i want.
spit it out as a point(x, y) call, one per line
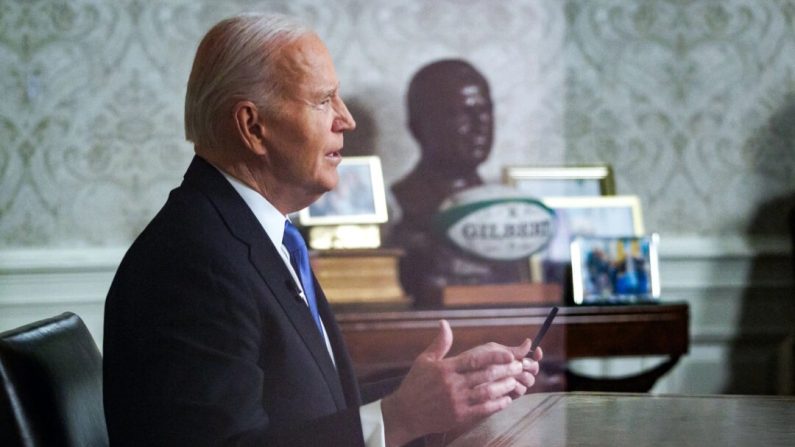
point(678, 247)
point(43, 260)
point(729, 246)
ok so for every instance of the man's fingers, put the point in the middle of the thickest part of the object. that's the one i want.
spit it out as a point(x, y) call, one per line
point(518, 391)
point(538, 354)
point(493, 373)
point(491, 391)
point(482, 357)
point(440, 345)
point(489, 407)
point(526, 379)
point(521, 350)
point(531, 366)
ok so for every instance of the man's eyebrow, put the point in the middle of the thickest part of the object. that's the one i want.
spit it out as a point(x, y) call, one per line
point(320, 94)
point(330, 91)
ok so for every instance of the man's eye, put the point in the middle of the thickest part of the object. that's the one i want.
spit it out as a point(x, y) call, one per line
point(322, 104)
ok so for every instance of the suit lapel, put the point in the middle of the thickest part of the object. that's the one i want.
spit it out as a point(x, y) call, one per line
point(242, 223)
point(342, 359)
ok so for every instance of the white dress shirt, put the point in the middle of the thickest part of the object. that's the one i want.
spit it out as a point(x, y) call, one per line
point(272, 221)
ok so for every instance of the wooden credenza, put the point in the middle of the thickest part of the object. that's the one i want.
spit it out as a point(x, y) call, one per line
point(383, 342)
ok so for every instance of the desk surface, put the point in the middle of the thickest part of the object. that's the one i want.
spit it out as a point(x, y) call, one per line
point(637, 420)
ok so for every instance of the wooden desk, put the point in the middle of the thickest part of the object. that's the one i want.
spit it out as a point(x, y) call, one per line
point(384, 342)
point(636, 420)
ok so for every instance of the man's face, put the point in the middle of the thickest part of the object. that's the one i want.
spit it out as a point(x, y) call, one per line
point(303, 131)
point(460, 129)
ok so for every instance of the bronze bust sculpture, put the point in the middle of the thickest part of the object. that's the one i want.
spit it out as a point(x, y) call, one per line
point(451, 117)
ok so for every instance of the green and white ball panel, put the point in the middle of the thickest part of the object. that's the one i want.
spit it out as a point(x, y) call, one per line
point(497, 229)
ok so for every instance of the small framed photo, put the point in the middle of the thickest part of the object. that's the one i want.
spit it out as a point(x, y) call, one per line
point(561, 181)
point(615, 270)
point(358, 198)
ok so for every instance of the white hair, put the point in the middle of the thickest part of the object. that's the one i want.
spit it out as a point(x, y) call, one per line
point(235, 61)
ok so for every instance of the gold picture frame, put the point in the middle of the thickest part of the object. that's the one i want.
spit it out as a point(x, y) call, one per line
point(557, 181)
point(358, 198)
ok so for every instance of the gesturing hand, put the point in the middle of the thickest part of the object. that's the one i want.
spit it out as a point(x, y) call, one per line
point(440, 393)
point(530, 367)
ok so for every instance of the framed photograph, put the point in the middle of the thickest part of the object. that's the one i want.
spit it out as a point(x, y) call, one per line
point(561, 181)
point(606, 216)
point(592, 216)
point(359, 197)
point(610, 270)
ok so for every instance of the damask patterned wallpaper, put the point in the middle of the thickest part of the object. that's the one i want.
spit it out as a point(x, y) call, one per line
point(692, 102)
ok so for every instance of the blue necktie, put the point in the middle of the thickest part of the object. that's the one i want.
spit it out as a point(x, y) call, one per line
point(299, 258)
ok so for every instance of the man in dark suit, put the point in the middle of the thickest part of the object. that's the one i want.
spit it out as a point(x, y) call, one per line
point(212, 335)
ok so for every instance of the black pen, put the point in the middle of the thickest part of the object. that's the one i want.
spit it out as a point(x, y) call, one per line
point(541, 332)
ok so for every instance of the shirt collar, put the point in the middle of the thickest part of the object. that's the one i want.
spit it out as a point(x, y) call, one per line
point(271, 219)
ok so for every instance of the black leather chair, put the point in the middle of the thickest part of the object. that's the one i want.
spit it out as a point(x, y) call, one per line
point(51, 394)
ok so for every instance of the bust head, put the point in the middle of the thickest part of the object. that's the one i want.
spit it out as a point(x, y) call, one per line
point(450, 114)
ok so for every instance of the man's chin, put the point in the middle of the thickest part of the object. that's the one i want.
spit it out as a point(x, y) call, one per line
point(319, 192)
point(328, 181)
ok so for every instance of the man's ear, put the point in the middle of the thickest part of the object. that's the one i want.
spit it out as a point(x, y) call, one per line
point(248, 126)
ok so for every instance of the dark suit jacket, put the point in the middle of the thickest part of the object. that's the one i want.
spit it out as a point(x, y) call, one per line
point(206, 341)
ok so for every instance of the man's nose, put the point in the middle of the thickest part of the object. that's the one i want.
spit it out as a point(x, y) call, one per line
point(344, 120)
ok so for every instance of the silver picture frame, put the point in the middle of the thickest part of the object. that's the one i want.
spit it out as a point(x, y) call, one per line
point(358, 198)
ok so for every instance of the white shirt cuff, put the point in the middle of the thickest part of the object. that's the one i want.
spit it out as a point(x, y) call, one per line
point(372, 424)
